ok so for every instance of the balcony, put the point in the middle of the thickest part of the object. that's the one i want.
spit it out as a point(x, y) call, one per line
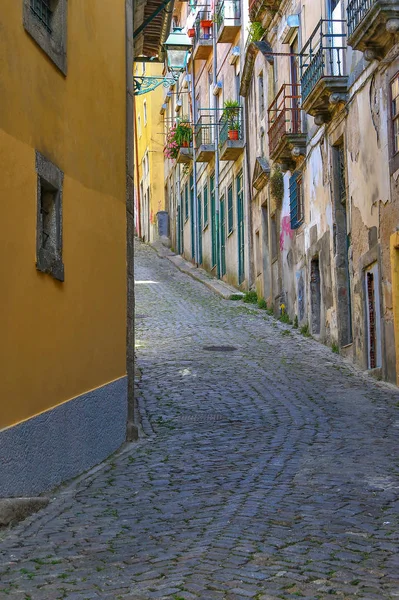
point(205, 138)
point(371, 25)
point(228, 20)
point(204, 31)
point(185, 156)
point(323, 70)
point(258, 9)
point(286, 138)
point(231, 135)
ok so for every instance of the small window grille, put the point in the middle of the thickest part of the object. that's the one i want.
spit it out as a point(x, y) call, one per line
point(49, 218)
point(42, 11)
point(296, 200)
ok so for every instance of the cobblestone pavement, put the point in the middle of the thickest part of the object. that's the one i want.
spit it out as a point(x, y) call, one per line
point(266, 472)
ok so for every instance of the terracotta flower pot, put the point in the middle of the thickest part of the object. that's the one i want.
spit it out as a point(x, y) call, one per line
point(191, 33)
point(233, 134)
point(184, 145)
point(206, 24)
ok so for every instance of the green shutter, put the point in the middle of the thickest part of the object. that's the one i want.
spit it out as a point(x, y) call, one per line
point(230, 216)
point(206, 204)
point(294, 199)
point(213, 219)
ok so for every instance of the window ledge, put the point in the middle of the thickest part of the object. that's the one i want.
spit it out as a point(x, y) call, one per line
point(53, 44)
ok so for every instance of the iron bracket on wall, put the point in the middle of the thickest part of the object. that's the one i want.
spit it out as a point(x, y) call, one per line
point(143, 85)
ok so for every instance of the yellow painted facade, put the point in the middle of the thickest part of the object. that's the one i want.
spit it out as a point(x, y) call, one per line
point(395, 293)
point(59, 340)
point(150, 144)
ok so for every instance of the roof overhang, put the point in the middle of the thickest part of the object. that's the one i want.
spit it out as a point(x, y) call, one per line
point(156, 15)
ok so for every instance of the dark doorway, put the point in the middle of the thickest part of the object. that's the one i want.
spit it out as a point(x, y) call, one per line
point(315, 295)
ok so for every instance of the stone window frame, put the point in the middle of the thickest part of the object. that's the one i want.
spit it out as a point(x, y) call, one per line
point(54, 44)
point(49, 176)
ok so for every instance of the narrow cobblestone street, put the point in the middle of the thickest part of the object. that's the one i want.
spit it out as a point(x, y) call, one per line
point(267, 471)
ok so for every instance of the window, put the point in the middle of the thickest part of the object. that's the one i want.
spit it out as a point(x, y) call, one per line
point(49, 218)
point(139, 125)
point(46, 23)
point(261, 91)
point(145, 112)
point(296, 200)
point(230, 216)
point(206, 208)
point(395, 113)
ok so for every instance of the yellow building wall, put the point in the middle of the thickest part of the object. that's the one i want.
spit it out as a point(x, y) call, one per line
point(59, 340)
point(152, 139)
point(394, 243)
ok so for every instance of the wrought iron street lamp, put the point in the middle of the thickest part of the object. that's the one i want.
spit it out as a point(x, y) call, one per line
point(177, 49)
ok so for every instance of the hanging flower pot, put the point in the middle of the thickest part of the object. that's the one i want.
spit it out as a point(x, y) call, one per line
point(206, 24)
point(233, 134)
point(184, 144)
point(191, 32)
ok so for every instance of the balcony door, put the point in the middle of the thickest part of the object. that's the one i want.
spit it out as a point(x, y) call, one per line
point(294, 86)
point(336, 31)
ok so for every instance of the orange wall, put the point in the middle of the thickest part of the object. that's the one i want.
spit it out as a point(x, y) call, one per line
point(59, 340)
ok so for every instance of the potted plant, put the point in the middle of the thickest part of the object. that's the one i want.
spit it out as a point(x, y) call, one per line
point(206, 24)
point(234, 130)
point(183, 133)
point(231, 113)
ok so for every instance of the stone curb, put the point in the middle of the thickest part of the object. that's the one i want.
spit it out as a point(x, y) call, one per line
point(13, 510)
point(216, 285)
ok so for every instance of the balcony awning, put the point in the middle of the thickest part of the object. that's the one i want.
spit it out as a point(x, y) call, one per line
point(250, 56)
point(261, 173)
point(156, 15)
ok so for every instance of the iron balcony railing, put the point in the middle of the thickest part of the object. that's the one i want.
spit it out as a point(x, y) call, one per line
point(356, 11)
point(231, 125)
point(284, 114)
point(323, 54)
point(205, 130)
point(42, 11)
point(203, 32)
point(228, 12)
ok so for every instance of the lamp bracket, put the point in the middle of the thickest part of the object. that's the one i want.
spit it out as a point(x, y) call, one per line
point(143, 85)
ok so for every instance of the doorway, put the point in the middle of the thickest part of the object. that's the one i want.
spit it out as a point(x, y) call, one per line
point(315, 295)
point(373, 317)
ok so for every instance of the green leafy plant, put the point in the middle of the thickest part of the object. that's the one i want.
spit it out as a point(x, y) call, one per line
point(255, 32)
point(251, 298)
point(335, 348)
point(277, 185)
point(296, 322)
point(305, 330)
point(231, 112)
point(262, 303)
point(285, 318)
point(236, 297)
point(184, 132)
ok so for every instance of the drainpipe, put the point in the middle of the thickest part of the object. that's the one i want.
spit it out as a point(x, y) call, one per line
point(217, 166)
point(249, 198)
point(193, 110)
point(136, 146)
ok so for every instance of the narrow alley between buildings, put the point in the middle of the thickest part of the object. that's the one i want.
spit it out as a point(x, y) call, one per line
point(266, 469)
